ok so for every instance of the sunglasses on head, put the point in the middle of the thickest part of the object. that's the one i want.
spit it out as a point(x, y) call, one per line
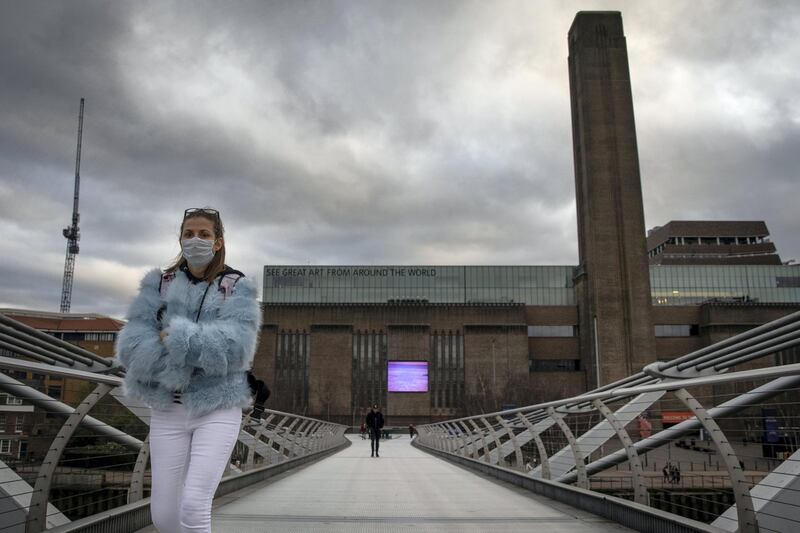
point(201, 211)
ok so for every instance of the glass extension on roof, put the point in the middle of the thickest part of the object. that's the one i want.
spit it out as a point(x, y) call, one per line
point(532, 285)
point(694, 284)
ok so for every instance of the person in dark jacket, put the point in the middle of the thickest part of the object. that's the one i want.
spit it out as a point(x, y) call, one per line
point(374, 425)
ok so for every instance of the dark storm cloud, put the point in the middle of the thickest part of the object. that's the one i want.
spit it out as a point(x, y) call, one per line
point(366, 132)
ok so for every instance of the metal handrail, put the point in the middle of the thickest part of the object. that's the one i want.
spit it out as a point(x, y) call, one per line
point(475, 437)
point(313, 439)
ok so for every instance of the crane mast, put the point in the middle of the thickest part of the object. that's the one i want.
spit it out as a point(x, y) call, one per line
point(72, 233)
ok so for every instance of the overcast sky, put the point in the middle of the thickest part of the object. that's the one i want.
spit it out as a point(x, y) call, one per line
point(367, 132)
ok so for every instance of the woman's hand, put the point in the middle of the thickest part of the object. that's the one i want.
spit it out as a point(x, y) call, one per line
point(163, 333)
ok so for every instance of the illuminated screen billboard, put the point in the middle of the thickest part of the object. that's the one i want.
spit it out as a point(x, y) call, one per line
point(408, 376)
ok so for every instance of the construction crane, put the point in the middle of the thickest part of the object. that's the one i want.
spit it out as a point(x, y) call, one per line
point(72, 233)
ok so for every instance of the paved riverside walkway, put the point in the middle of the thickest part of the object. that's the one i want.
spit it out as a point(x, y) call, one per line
point(403, 490)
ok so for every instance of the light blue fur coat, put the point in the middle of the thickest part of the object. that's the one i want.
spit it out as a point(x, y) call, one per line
point(207, 361)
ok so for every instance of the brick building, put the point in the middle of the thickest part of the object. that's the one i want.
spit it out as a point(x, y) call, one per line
point(95, 333)
point(711, 242)
point(494, 336)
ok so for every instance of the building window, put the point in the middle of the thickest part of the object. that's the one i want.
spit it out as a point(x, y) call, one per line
point(291, 370)
point(677, 330)
point(108, 337)
point(555, 365)
point(19, 424)
point(5, 446)
point(2, 423)
point(54, 391)
point(552, 331)
point(370, 349)
point(12, 400)
point(446, 371)
point(787, 281)
point(784, 357)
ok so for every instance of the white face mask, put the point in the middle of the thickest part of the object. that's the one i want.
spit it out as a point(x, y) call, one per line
point(198, 252)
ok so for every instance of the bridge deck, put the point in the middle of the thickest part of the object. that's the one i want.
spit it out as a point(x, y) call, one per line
point(403, 490)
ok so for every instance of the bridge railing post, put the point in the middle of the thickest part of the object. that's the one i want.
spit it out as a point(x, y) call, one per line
point(639, 487)
point(496, 438)
point(136, 490)
point(539, 445)
point(37, 512)
point(741, 493)
point(513, 437)
point(461, 447)
point(580, 466)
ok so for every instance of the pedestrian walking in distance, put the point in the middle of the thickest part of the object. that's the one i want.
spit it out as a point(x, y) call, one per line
point(374, 425)
point(188, 344)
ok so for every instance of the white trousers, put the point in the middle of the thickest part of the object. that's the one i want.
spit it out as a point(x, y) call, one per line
point(188, 457)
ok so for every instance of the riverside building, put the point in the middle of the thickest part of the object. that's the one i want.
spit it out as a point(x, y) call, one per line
point(337, 339)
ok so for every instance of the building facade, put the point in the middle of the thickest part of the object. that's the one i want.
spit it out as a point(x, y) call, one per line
point(20, 423)
point(492, 336)
point(495, 336)
point(711, 242)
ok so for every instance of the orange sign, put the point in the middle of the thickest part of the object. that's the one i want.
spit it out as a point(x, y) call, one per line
point(674, 417)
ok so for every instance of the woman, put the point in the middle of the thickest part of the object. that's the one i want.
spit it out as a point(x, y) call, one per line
point(189, 341)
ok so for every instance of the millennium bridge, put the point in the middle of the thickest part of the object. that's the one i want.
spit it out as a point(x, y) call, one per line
point(595, 462)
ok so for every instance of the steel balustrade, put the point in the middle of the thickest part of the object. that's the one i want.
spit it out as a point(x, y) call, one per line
point(746, 512)
point(558, 418)
point(640, 489)
point(485, 438)
point(509, 432)
point(57, 358)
